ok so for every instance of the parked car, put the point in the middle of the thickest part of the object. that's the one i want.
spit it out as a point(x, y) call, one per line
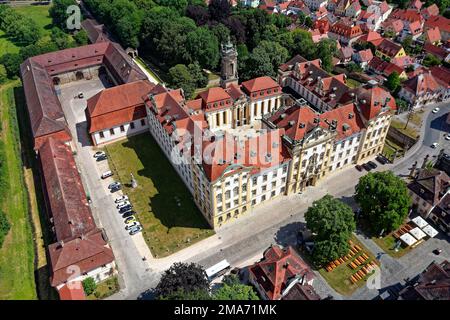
point(116, 188)
point(132, 225)
point(367, 166)
point(121, 199)
point(372, 164)
point(130, 220)
point(128, 214)
point(113, 185)
point(435, 145)
point(99, 153)
point(135, 230)
point(381, 159)
point(81, 95)
point(447, 137)
point(359, 167)
point(106, 174)
point(125, 209)
point(436, 110)
point(123, 204)
point(101, 158)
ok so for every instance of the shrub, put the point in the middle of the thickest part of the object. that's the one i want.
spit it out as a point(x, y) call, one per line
point(89, 286)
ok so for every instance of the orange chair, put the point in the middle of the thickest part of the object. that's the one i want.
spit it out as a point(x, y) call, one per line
point(336, 262)
point(353, 279)
point(365, 256)
point(341, 260)
point(361, 273)
point(357, 276)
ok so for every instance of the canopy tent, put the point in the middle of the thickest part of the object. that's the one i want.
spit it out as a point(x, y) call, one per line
point(408, 239)
point(430, 231)
point(417, 233)
point(420, 222)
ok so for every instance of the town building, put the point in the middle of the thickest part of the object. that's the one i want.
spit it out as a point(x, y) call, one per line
point(363, 58)
point(440, 22)
point(346, 34)
point(388, 49)
point(428, 189)
point(280, 274)
point(432, 284)
point(421, 90)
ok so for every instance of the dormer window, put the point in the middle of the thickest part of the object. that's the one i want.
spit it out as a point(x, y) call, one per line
point(261, 93)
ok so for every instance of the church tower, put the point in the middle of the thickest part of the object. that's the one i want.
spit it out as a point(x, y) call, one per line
point(229, 62)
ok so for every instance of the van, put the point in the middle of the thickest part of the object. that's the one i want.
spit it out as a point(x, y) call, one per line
point(106, 174)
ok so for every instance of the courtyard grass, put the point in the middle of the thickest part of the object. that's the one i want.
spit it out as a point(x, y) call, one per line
point(17, 253)
point(165, 208)
point(352, 83)
point(409, 131)
point(339, 278)
point(105, 289)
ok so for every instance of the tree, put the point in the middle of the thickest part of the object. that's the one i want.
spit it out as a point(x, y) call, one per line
point(393, 82)
point(58, 12)
point(89, 286)
point(3, 74)
point(402, 105)
point(199, 14)
point(431, 60)
point(198, 76)
point(232, 289)
point(81, 38)
point(332, 222)
point(219, 9)
point(182, 276)
point(180, 77)
point(12, 62)
point(277, 54)
point(383, 199)
point(257, 64)
point(353, 67)
point(326, 49)
point(4, 227)
point(61, 39)
point(298, 42)
point(202, 46)
point(221, 32)
point(182, 295)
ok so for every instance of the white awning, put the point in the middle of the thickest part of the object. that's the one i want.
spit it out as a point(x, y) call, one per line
point(408, 239)
point(417, 233)
point(430, 231)
point(420, 222)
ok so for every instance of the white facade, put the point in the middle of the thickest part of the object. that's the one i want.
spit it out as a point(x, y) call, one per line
point(120, 132)
point(99, 274)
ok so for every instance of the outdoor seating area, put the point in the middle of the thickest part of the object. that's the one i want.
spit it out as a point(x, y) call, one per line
point(415, 232)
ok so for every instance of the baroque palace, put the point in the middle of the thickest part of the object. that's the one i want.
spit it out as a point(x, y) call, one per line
point(234, 146)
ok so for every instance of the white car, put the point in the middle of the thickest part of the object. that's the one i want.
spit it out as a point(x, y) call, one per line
point(435, 145)
point(436, 110)
point(447, 137)
point(132, 225)
point(106, 174)
point(99, 153)
point(121, 199)
point(123, 204)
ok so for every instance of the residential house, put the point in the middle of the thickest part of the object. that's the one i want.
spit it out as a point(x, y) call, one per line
point(353, 10)
point(369, 21)
point(403, 62)
point(363, 58)
point(421, 90)
point(392, 26)
point(432, 35)
point(442, 75)
point(370, 37)
point(440, 214)
point(345, 34)
point(415, 5)
point(430, 11)
point(413, 30)
point(319, 13)
point(314, 5)
point(342, 6)
point(407, 16)
point(439, 52)
point(279, 272)
point(442, 23)
point(345, 54)
point(432, 284)
point(316, 35)
point(388, 50)
point(298, 6)
point(385, 68)
point(427, 190)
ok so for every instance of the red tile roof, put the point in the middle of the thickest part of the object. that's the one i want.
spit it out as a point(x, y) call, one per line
point(372, 100)
point(384, 7)
point(346, 31)
point(415, 4)
point(85, 254)
point(442, 75)
point(95, 32)
point(433, 35)
point(215, 98)
point(422, 83)
point(395, 25)
point(117, 105)
point(432, 10)
point(365, 55)
point(439, 52)
point(260, 84)
point(277, 268)
point(438, 21)
point(389, 47)
point(72, 290)
point(65, 195)
point(407, 15)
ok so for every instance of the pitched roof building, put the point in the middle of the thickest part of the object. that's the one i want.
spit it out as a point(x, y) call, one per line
point(432, 284)
point(278, 272)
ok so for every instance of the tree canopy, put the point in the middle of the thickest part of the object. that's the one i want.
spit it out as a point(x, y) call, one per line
point(383, 199)
point(332, 222)
point(188, 278)
point(232, 289)
point(393, 82)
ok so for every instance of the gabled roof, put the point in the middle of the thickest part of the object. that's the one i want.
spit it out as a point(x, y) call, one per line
point(439, 52)
point(438, 21)
point(408, 15)
point(213, 95)
point(347, 119)
point(442, 75)
point(66, 197)
point(395, 24)
point(422, 83)
point(430, 185)
point(72, 290)
point(373, 101)
point(364, 55)
point(117, 105)
point(433, 35)
point(384, 7)
point(95, 32)
point(87, 253)
point(389, 47)
point(432, 10)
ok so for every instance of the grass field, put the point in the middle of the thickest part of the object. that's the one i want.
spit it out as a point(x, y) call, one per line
point(339, 278)
point(168, 227)
point(105, 289)
point(387, 243)
point(17, 253)
point(39, 14)
point(352, 83)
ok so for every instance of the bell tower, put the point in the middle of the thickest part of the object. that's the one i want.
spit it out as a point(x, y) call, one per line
point(229, 61)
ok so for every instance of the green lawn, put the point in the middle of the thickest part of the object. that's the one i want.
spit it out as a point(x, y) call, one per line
point(387, 243)
point(409, 131)
point(17, 253)
point(105, 289)
point(339, 278)
point(352, 83)
point(168, 227)
point(39, 14)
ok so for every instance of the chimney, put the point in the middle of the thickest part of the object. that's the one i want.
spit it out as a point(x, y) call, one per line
point(61, 243)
